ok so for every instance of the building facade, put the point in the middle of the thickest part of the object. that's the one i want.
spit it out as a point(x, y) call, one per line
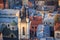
point(39, 4)
point(3, 4)
point(43, 31)
point(49, 20)
point(35, 21)
point(8, 24)
point(57, 27)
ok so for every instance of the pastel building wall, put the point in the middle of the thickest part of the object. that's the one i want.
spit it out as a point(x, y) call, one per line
point(35, 21)
point(43, 31)
point(8, 24)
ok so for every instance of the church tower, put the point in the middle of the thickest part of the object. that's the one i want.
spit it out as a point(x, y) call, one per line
point(23, 24)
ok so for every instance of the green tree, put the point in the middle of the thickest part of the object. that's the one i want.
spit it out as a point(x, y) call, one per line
point(13, 23)
point(57, 18)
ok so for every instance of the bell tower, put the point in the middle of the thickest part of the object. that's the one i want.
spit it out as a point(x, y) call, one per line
point(24, 24)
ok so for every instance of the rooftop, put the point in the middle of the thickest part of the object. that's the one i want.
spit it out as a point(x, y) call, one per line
point(8, 11)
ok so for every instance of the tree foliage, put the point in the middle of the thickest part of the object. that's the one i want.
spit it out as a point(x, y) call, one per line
point(57, 18)
point(13, 23)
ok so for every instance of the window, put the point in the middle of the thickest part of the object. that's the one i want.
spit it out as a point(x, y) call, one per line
point(32, 27)
point(51, 31)
point(46, 23)
point(8, 25)
point(35, 27)
point(23, 31)
point(50, 23)
point(12, 36)
point(58, 35)
point(12, 28)
point(34, 18)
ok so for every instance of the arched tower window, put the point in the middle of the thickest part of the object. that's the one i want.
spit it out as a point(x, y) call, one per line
point(23, 31)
